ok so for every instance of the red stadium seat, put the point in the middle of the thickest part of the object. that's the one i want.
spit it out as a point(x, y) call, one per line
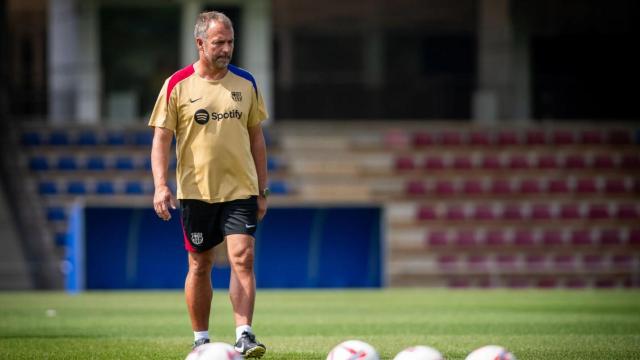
point(563, 137)
point(465, 238)
point(587, 186)
point(576, 283)
point(634, 237)
point(445, 187)
point(598, 211)
point(575, 161)
point(563, 261)
point(593, 261)
point(447, 262)
point(535, 261)
point(427, 212)
point(480, 138)
point(396, 139)
point(530, 186)
point(615, 186)
point(591, 137)
point(495, 238)
point(547, 161)
point(477, 262)
point(541, 211)
point(603, 161)
point(491, 162)
point(506, 261)
point(524, 237)
point(437, 238)
point(581, 237)
point(455, 212)
point(558, 186)
point(518, 161)
point(570, 211)
point(605, 283)
point(434, 162)
point(610, 237)
point(483, 212)
point(627, 211)
point(547, 282)
point(404, 163)
point(630, 161)
point(620, 137)
point(422, 139)
point(513, 212)
point(462, 162)
point(473, 186)
point(552, 237)
point(451, 138)
point(507, 138)
point(416, 187)
point(622, 261)
point(501, 186)
point(536, 137)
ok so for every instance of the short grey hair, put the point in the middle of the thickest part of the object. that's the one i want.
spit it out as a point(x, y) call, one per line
point(205, 18)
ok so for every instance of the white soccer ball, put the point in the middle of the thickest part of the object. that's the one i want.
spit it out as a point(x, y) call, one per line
point(214, 351)
point(353, 350)
point(419, 352)
point(491, 352)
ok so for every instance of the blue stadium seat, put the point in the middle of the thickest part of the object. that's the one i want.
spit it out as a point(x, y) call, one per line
point(31, 138)
point(134, 188)
point(67, 162)
point(38, 163)
point(56, 213)
point(96, 162)
point(272, 163)
point(143, 138)
point(105, 187)
point(279, 187)
point(124, 163)
point(47, 188)
point(58, 138)
point(147, 163)
point(61, 239)
point(116, 138)
point(87, 138)
point(76, 187)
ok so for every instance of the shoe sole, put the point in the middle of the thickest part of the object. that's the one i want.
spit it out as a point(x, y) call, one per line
point(255, 353)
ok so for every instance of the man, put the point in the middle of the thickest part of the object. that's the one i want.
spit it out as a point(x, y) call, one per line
point(215, 110)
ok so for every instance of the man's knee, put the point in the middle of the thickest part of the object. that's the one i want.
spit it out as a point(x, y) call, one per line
point(200, 264)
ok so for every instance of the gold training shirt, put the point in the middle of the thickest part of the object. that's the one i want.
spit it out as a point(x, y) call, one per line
point(210, 121)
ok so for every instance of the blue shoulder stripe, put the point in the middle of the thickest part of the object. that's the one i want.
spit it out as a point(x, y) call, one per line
point(244, 74)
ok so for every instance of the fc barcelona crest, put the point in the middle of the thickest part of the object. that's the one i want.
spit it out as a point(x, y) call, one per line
point(236, 95)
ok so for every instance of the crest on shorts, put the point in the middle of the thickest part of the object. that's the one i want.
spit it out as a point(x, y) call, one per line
point(197, 238)
point(236, 95)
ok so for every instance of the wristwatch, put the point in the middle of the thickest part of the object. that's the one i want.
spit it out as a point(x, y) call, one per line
point(265, 193)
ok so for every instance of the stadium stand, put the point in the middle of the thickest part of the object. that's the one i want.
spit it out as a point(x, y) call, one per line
point(535, 206)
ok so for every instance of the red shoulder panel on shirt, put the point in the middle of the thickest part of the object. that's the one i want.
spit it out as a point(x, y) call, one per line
point(177, 77)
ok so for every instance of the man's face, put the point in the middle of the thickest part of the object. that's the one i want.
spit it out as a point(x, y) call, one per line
point(217, 48)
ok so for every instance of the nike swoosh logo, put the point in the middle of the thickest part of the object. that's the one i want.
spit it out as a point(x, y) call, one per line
point(240, 349)
point(249, 226)
point(192, 101)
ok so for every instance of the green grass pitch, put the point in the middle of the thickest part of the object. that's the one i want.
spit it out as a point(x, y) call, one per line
point(554, 324)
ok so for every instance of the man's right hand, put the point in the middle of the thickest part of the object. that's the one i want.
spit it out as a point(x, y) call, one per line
point(163, 200)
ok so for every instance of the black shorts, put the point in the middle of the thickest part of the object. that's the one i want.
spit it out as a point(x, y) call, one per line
point(205, 225)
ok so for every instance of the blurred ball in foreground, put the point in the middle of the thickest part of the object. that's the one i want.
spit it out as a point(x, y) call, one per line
point(491, 352)
point(419, 352)
point(214, 351)
point(353, 350)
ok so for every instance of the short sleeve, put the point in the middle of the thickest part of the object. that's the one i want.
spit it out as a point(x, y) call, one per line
point(258, 111)
point(165, 113)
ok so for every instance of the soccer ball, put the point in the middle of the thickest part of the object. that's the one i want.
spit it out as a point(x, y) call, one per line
point(419, 353)
point(353, 350)
point(214, 351)
point(491, 352)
